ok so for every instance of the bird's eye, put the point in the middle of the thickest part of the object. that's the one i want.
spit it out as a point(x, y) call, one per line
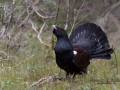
point(60, 28)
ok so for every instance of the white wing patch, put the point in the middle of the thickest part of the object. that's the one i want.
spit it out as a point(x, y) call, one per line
point(75, 52)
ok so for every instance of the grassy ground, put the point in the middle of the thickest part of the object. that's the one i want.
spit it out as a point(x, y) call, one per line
point(30, 65)
point(21, 67)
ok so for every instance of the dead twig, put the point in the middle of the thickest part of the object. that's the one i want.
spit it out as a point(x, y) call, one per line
point(57, 11)
point(51, 79)
point(39, 32)
point(3, 30)
point(84, 18)
point(41, 15)
point(33, 27)
point(75, 17)
point(68, 12)
point(111, 7)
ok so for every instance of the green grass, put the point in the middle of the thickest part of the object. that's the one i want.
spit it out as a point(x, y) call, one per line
point(32, 64)
point(34, 61)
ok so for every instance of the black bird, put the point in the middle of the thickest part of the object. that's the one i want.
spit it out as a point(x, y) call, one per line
point(73, 54)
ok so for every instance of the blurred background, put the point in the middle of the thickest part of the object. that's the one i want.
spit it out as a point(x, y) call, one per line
point(27, 42)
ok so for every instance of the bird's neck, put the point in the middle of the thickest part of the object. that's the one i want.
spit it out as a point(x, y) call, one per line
point(63, 45)
point(64, 49)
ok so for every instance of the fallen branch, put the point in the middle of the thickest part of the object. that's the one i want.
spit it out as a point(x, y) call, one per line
point(50, 79)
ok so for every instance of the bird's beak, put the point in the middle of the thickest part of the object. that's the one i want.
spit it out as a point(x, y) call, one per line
point(54, 26)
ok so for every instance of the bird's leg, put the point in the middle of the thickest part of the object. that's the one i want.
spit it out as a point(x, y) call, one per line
point(67, 76)
point(59, 72)
point(84, 70)
point(74, 76)
point(58, 75)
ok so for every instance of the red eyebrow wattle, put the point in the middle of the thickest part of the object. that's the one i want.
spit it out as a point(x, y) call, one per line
point(60, 28)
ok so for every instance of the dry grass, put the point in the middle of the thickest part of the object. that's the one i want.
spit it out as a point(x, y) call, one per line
point(27, 62)
point(21, 73)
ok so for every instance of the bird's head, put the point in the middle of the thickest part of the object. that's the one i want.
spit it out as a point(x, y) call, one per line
point(58, 31)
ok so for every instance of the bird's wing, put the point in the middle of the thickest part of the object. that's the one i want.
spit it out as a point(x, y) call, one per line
point(81, 59)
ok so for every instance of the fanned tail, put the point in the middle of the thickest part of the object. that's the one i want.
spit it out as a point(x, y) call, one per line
point(92, 40)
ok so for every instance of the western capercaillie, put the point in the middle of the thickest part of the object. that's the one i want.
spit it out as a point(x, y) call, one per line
point(73, 53)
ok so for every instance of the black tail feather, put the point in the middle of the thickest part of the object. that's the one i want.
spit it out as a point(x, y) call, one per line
point(104, 50)
point(103, 54)
point(99, 57)
point(92, 40)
